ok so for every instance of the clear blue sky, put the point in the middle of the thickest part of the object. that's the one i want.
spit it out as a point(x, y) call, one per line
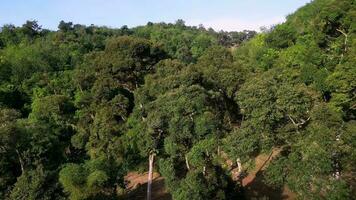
point(218, 14)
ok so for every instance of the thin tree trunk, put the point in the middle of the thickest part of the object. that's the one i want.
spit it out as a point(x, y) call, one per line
point(187, 163)
point(21, 162)
point(239, 165)
point(345, 44)
point(150, 172)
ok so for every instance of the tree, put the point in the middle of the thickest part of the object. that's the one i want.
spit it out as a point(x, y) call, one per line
point(175, 116)
point(82, 106)
point(31, 29)
point(65, 26)
point(37, 184)
point(342, 87)
point(271, 101)
point(9, 156)
point(317, 159)
point(25, 146)
point(98, 178)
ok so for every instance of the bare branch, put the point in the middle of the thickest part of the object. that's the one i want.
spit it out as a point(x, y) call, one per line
point(301, 123)
point(342, 32)
point(292, 120)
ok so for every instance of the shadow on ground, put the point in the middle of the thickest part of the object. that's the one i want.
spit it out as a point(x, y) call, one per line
point(255, 187)
point(258, 190)
point(139, 190)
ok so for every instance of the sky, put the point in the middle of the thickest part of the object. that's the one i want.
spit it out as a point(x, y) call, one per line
point(228, 15)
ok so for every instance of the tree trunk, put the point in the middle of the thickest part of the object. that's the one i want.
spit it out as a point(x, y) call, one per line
point(21, 161)
point(239, 166)
point(187, 163)
point(150, 172)
point(345, 44)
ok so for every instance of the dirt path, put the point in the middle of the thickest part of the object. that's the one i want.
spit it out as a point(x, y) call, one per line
point(261, 162)
point(137, 187)
point(254, 185)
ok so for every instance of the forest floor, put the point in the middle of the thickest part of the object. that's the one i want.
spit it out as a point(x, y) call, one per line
point(253, 184)
point(137, 187)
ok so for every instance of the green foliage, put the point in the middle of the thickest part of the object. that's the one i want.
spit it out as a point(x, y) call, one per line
point(311, 161)
point(241, 144)
point(94, 179)
point(82, 106)
point(342, 83)
point(282, 36)
point(189, 43)
point(272, 100)
point(37, 184)
point(180, 119)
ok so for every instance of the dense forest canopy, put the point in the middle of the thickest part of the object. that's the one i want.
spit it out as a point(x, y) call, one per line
point(82, 106)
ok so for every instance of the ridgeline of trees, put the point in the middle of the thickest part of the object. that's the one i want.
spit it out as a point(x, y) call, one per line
point(82, 106)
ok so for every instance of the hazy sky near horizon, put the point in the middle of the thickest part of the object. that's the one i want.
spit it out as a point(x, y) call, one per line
point(219, 14)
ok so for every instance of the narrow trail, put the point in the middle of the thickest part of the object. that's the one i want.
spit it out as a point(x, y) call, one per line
point(261, 162)
point(253, 183)
point(137, 187)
